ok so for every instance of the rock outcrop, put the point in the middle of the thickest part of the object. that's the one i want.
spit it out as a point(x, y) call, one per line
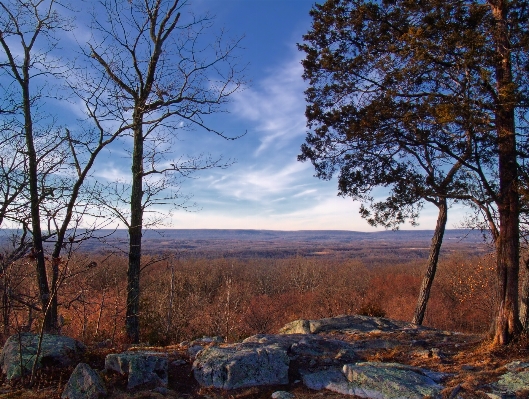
point(143, 369)
point(377, 380)
point(84, 383)
point(348, 324)
point(20, 350)
point(241, 365)
point(334, 354)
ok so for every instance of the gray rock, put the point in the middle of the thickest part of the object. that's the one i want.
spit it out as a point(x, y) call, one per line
point(331, 379)
point(282, 395)
point(241, 365)
point(391, 380)
point(315, 347)
point(433, 353)
point(178, 362)
point(207, 340)
point(193, 350)
point(517, 366)
point(376, 381)
point(517, 379)
point(143, 369)
point(84, 383)
point(20, 350)
point(351, 324)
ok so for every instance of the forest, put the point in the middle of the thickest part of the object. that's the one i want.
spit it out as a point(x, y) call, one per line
point(188, 297)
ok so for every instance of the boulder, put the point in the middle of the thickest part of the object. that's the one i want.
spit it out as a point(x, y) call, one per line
point(241, 365)
point(349, 324)
point(143, 369)
point(20, 350)
point(378, 381)
point(84, 383)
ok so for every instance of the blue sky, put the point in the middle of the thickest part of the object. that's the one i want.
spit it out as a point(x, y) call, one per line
point(266, 187)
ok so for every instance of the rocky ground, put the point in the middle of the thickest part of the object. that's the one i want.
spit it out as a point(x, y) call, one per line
point(351, 356)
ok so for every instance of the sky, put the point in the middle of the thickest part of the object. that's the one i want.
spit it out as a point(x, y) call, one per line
point(265, 187)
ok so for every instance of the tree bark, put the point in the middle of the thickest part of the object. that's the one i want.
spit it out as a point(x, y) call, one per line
point(435, 248)
point(132, 324)
point(506, 322)
point(38, 249)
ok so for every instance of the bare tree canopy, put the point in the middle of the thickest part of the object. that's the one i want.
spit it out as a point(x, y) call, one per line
point(166, 72)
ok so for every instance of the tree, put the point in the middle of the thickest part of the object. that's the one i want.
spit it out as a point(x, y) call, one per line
point(420, 97)
point(166, 75)
point(22, 25)
point(45, 167)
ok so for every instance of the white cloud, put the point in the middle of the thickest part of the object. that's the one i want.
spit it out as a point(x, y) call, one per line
point(261, 183)
point(112, 173)
point(276, 104)
point(329, 213)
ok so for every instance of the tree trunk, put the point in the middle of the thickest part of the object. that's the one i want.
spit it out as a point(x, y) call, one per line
point(435, 248)
point(38, 249)
point(506, 323)
point(135, 232)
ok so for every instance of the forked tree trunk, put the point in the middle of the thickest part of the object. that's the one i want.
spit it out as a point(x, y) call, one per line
point(435, 248)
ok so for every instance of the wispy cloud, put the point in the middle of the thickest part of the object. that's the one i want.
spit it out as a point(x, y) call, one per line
point(261, 183)
point(276, 105)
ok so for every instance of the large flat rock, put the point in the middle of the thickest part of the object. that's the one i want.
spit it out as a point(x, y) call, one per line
point(241, 365)
point(313, 346)
point(350, 324)
point(514, 381)
point(375, 380)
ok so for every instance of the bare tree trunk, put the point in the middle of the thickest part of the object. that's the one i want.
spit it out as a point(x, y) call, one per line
point(6, 304)
point(431, 269)
point(100, 315)
point(132, 324)
point(38, 249)
point(171, 302)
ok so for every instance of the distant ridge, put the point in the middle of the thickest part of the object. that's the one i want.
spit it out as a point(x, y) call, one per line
point(247, 243)
point(463, 235)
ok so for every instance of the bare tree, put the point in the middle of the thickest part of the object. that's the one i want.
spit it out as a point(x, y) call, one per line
point(24, 26)
point(168, 73)
point(44, 167)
